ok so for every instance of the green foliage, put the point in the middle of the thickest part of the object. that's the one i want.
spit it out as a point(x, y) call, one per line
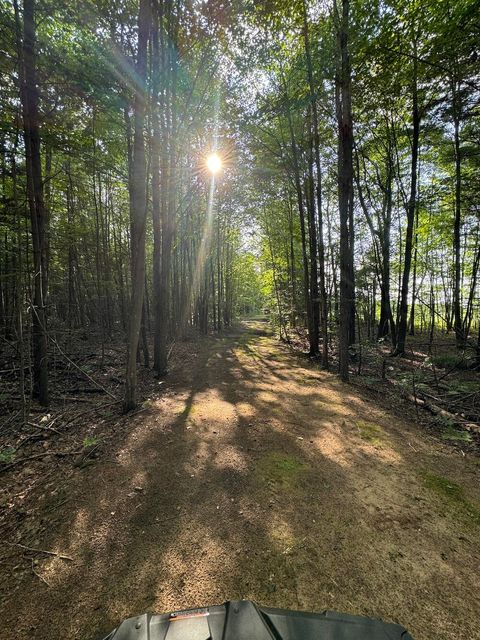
point(461, 386)
point(91, 441)
point(449, 361)
point(7, 455)
point(249, 294)
point(456, 435)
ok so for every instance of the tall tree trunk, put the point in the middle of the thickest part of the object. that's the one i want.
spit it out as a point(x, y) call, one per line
point(411, 207)
point(458, 324)
point(318, 190)
point(312, 240)
point(292, 272)
point(312, 339)
point(156, 204)
point(138, 209)
point(19, 285)
point(345, 182)
point(38, 214)
point(386, 308)
point(168, 187)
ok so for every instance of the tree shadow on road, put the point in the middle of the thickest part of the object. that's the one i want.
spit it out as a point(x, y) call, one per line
point(250, 478)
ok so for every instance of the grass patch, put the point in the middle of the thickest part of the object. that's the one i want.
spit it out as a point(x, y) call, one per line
point(456, 435)
point(449, 361)
point(280, 470)
point(370, 432)
point(7, 455)
point(452, 493)
point(372, 381)
point(458, 387)
point(91, 441)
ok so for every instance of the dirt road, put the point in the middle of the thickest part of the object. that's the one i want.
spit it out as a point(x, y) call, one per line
point(255, 475)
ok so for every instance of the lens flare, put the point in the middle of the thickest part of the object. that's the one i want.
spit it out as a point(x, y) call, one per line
point(214, 163)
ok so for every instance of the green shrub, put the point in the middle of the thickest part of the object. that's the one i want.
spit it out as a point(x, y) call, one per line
point(459, 435)
point(90, 441)
point(449, 361)
point(7, 455)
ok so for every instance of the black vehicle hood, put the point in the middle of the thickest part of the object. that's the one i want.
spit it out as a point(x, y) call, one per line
point(245, 620)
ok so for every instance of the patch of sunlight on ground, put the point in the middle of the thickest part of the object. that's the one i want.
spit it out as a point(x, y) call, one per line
point(209, 405)
point(55, 570)
point(267, 397)
point(200, 456)
point(332, 446)
point(371, 433)
point(282, 536)
point(245, 409)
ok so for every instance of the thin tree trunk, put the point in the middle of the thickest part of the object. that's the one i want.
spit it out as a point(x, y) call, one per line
point(412, 202)
point(312, 245)
point(345, 182)
point(318, 167)
point(38, 215)
point(414, 280)
point(301, 211)
point(138, 210)
point(156, 203)
point(457, 310)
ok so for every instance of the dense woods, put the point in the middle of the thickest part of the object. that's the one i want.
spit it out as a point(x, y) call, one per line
point(394, 165)
point(239, 317)
point(345, 203)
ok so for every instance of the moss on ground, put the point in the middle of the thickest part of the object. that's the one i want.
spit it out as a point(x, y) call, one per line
point(280, 469)
point(457, 435)
point(453, 494)
point(371, 432)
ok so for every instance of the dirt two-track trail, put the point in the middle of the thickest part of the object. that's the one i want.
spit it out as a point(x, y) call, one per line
point(256, 475)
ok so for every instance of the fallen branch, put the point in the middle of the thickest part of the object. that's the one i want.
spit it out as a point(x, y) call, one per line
point(74, 364)
point(44, 427)
point(93, 408)
point(62, 556)
point(39, 576)
point(438, 411)
point(80, 390)
point(39, 455)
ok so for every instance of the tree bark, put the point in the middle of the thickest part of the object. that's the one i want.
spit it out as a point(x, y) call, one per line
point(312, 338)
point(458, 324)
point(411, 207)
point(138, 209)
point(318, 191)
point(156, 202)
point(345, 182)
point(312, 240)
point(38, 214)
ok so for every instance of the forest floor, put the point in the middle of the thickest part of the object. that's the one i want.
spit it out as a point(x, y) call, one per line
point(252, 474)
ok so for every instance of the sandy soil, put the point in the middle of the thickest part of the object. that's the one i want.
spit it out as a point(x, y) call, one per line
point(255, 475)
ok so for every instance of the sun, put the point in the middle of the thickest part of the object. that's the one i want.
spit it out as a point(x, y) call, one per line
point(214, 163)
